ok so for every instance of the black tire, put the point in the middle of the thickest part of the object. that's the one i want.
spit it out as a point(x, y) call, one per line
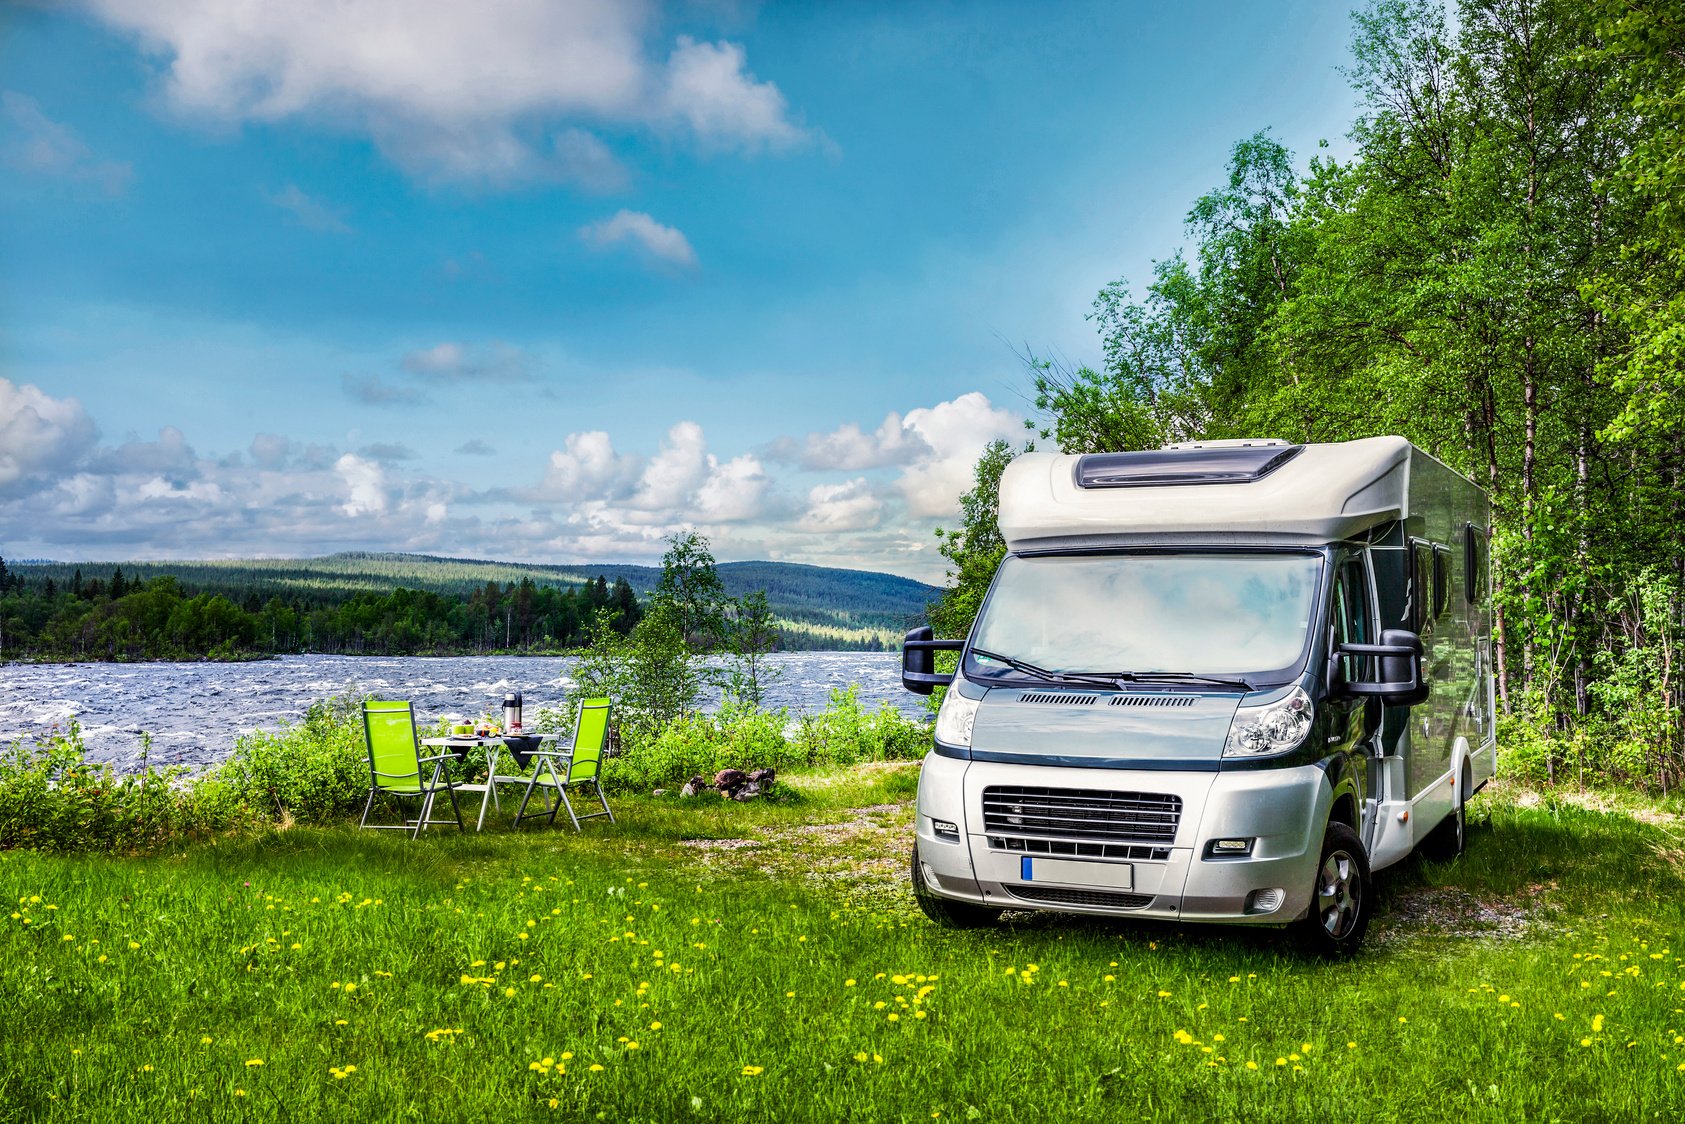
point(944, 911)
point(1342, 896)
point(1450, 838)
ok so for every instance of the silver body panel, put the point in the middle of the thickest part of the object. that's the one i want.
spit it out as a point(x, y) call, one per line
point(1282, 809)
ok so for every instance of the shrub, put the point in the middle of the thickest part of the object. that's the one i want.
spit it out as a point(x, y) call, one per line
point(53, 799)
point(315, 772)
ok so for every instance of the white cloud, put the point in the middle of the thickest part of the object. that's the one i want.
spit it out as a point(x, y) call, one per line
point(733, 492)
point(850, 506)
point(664, 243)
point(365, 485)
point(588, 468)
point(674, 474)
point(458, 362)
point(955, 432)
point(492, 92)
point(850, 449)
point(36, 143)
point(307, 211)
point(709, 90)
point(41, 437)
point(270, 450)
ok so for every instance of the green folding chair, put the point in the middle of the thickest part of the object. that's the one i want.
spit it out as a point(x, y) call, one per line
point(563, 767)
point(396, 767)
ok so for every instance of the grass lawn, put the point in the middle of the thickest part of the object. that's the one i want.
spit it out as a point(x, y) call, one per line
point(710, 961)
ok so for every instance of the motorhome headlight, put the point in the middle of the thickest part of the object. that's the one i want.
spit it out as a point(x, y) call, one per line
point(1275, 728)
point(953, 721)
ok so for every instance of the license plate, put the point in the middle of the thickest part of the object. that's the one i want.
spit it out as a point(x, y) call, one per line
point(1065, 872)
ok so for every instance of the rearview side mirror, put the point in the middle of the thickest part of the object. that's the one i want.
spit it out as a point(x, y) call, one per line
point(1398, 668)
point(918, 660)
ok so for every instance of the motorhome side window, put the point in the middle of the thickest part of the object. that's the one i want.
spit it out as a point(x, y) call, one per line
point(1421, 587)
point(1351, 614)
point(1441, 581)
point(1474, 563)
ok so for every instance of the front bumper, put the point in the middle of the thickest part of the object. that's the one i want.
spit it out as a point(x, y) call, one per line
point(1283, 811)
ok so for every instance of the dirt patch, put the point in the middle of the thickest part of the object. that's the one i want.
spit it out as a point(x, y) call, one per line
point(721, 844)
point(1597, 802)
point(1449, 912)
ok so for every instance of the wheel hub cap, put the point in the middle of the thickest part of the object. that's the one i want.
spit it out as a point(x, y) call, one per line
point(1338, 894)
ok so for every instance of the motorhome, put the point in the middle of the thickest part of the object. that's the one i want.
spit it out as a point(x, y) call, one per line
point(1221, 681)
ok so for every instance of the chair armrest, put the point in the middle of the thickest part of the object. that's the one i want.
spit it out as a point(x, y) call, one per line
point(438, 757)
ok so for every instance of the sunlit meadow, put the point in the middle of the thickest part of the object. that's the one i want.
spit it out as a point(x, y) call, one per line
point(715, 961)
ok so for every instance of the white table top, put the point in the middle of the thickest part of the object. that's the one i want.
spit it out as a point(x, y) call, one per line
point(496, 739)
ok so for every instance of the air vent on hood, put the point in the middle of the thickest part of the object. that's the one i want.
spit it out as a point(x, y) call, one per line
point(1057, 698)
point(1154, 700)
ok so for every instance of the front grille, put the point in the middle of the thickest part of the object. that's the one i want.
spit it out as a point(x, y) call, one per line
point(1099, 899)
point(1154, 700)
point(1080, 813)
point(1073, 849)
point(1057, 698)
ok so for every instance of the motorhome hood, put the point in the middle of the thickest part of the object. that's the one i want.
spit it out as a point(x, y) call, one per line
point(1117, 729)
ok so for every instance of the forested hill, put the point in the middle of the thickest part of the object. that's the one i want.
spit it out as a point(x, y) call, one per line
point(816, 606)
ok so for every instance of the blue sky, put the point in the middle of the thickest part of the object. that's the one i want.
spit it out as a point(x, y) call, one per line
point(548, 281)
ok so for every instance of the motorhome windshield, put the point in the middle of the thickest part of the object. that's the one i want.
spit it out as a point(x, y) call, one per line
point(1193, 615)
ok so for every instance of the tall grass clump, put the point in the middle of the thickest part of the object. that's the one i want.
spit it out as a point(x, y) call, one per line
point(53, 799)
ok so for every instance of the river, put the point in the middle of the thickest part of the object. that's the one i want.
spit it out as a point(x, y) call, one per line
point(194, 711)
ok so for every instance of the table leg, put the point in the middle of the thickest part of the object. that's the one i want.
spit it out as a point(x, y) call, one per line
point(491, 787)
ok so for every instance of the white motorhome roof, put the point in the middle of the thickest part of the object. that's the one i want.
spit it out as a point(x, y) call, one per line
point(1321, 494)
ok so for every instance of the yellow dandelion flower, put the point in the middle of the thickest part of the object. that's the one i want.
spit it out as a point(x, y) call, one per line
point(1164, 995)
point(861, 1056)
point(146, 1068)
point(341, 1022)
point(205, 1040)
point(508, 992)
point(1596, 1023)
point(753, 1070)
point(553, 1102)
point(1585, 1042)
point(69, 937)
point(133, 945)
point(239, 1092)
point(789, 995)
point(250, 1062)
point(848, 983)
point(1251, 1065)
point(596, 1068)
point(567, 1055)
point(1281, 1061)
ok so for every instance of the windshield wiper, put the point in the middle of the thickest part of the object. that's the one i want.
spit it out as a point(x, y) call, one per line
point(1043, 673)
point(1171, 677)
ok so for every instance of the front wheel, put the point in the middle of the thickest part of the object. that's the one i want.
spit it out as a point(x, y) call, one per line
point(1341, 897)
point(944, 911)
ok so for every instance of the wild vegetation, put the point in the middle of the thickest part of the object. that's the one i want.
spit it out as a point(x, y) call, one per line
point(385, 604)
point(1498, 274)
